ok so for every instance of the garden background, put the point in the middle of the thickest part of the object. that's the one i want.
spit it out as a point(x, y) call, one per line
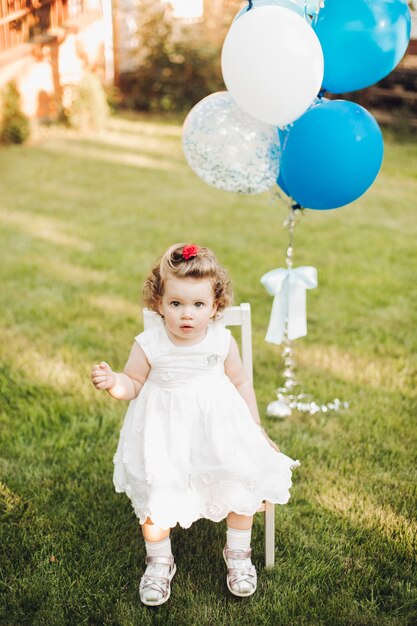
point(84, 214)
point(83, 217)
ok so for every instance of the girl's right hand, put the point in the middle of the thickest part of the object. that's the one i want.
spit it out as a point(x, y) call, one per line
point(102, 376)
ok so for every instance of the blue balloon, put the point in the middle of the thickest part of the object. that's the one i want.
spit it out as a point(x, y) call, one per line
point(282, 134)
point(331, 155)
point(362, 41)
point(294, 5)
point(281, 184)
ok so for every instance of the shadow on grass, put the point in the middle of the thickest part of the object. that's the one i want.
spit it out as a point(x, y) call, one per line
point(97, 152)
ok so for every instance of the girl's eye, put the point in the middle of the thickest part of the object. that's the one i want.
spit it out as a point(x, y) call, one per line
point(199, 304)
point(175, 303)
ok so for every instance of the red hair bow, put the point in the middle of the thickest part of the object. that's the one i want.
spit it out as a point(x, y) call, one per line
point(189, 252)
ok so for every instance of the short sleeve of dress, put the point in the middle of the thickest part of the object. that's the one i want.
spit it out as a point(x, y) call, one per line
point(148, 342)
point(222, 337)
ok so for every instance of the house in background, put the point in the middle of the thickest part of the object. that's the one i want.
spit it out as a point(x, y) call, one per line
point(48, 44)
point(414, 28)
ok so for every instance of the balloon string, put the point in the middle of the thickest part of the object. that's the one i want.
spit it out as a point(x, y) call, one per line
point(290, 396)
point(293, 212)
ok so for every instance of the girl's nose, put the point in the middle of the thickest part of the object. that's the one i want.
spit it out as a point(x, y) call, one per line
point(187, 314)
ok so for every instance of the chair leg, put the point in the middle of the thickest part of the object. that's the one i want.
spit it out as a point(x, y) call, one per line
point(269, 534)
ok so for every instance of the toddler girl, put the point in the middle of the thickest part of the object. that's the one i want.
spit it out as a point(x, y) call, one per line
point(191, 445)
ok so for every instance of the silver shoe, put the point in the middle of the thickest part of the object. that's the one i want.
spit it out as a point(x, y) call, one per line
point(241, 581)
point(158, 587)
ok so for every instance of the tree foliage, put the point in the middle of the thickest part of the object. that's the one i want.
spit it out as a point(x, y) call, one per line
point(15, 125)
point(85, 104)
point(176, 64)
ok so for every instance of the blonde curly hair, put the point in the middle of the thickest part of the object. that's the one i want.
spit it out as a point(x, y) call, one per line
point(203, 265)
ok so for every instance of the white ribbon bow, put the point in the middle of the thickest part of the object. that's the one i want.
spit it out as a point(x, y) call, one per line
point(289, 306)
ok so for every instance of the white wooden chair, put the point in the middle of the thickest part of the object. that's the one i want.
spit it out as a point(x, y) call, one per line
point(240, 316)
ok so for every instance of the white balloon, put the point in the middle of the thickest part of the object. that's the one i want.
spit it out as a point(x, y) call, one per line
point(229, 149)
point(272, 64)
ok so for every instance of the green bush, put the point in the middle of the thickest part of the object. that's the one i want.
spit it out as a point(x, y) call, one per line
point(15, 125)
point(172, 82)
point(175, 64)
point(85, 105)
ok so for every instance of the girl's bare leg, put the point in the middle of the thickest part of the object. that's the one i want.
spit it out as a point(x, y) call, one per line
point(239, 522)
point(153, 533)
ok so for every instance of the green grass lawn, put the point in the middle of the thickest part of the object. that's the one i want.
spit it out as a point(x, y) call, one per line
point(83, 218)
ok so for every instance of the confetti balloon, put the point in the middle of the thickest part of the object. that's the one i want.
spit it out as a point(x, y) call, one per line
point(228, 148)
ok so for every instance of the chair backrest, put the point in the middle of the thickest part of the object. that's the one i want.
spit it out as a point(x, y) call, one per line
point(233, 316)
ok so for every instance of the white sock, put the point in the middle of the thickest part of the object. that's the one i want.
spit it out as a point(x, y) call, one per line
point(238, 539)
point(158, 548)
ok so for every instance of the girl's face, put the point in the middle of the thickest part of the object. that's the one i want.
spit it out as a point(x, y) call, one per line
point(187, 306)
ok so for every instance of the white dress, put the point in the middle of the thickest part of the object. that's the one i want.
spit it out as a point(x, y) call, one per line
point(189, 447)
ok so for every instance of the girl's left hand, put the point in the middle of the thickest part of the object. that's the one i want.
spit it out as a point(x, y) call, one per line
point(271, 443)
